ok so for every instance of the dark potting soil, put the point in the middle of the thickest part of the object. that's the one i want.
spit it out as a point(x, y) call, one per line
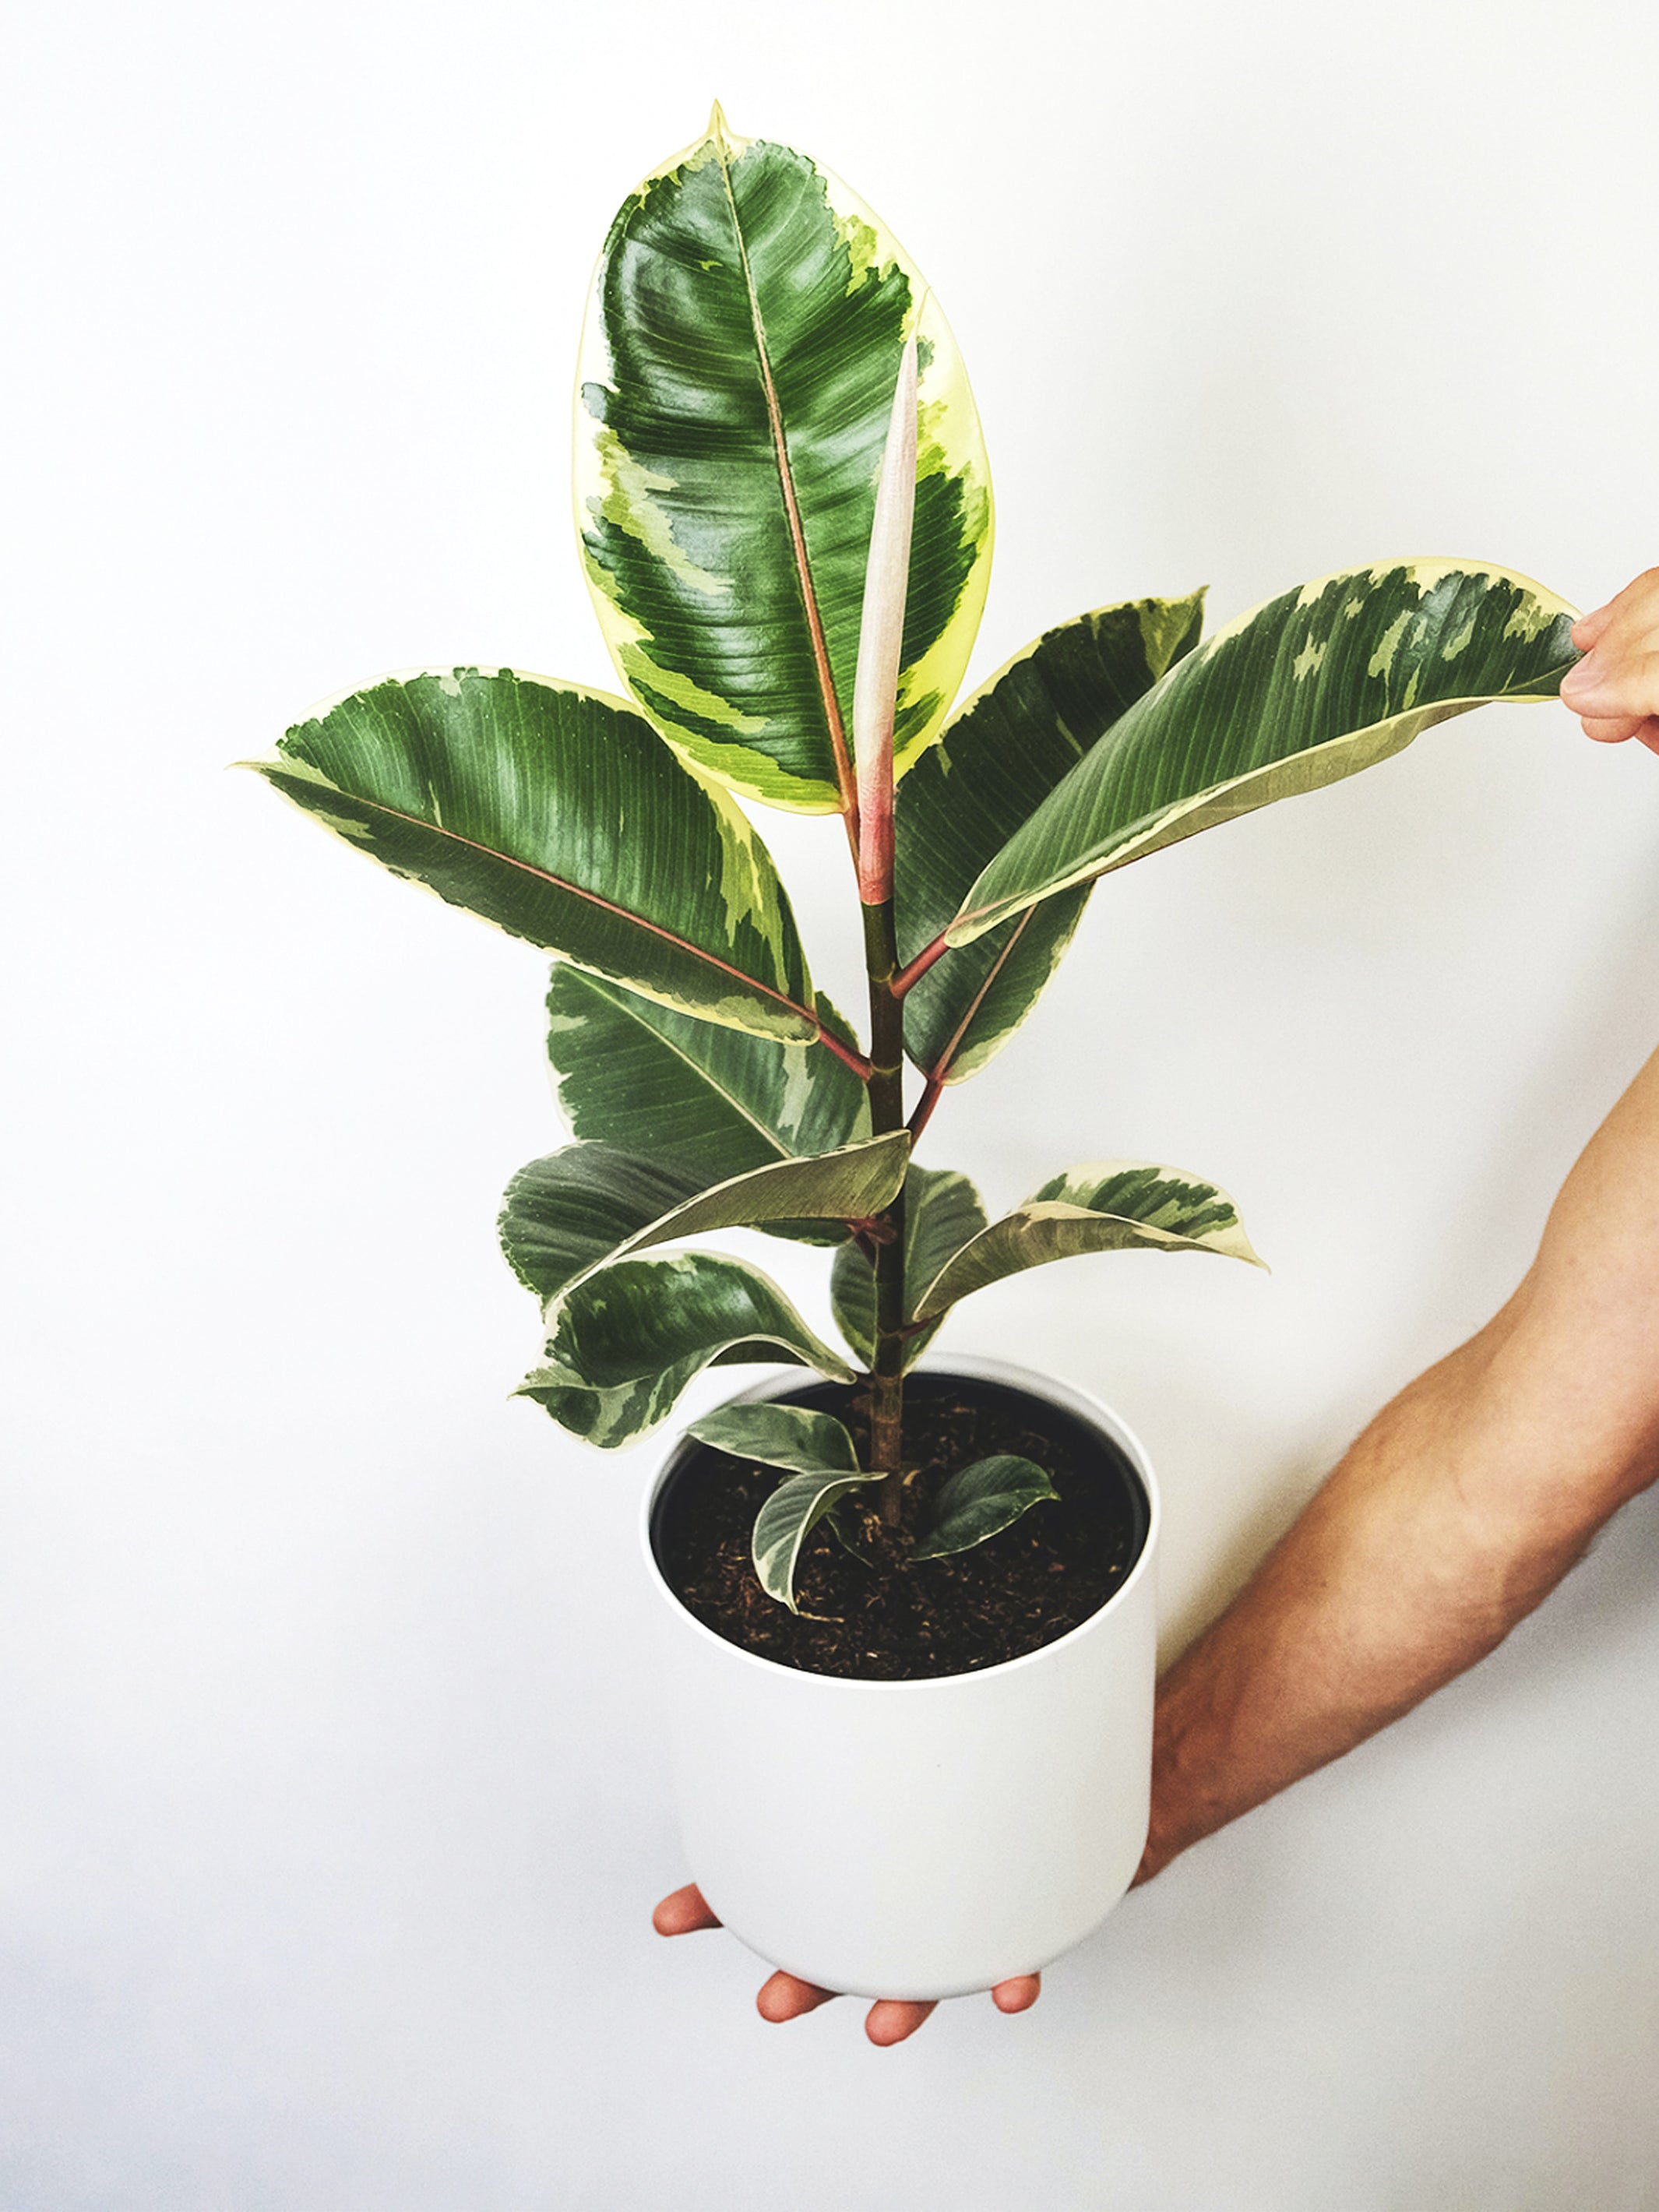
point(868, 1610)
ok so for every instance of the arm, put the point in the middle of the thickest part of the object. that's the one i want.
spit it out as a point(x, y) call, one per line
point(1460, 1508)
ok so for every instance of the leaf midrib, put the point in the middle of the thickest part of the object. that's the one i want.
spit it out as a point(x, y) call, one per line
point(558, 882)
point(844, 776)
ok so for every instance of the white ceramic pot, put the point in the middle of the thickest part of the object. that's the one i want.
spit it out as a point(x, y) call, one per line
point(919, 1838)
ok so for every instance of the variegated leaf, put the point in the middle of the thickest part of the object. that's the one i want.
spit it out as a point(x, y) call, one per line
point(627, 1342)
point(1011, 743)
point(1109, 1206)
point(562, 818)
point(981, 1501)
point(590, 1204)
point(942, 1212)
point(791, 1437)
point(737, 365)
point(714, 1101)
point(1312, 687)
point(786, 1520)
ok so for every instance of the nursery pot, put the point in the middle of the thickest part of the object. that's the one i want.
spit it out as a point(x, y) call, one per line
point(919, 1838)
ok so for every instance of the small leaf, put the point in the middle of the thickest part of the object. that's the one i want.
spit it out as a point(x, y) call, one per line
point(791, 1437)
point(942, 1212)
point(785, 1521)
point(1108, 1205)
point(981, 1500)
point(570, 1214)
point(627, 1342)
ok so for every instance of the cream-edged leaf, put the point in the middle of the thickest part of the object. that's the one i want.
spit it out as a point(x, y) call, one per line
point(981, 1501)
point(562, 818)
point(590, 1204)
point(786, 1520)
point(1001, 754)
point(746, 325)
point(1108, 1205)
point(794, 1438)
point(942, 1212)
point(1313, 686)
point(711, 1099)
point(626, 1342)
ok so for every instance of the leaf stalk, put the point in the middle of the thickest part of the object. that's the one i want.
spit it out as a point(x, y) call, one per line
point(919, 967)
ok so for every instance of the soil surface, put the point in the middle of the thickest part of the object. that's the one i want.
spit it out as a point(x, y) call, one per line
point(866, 1610)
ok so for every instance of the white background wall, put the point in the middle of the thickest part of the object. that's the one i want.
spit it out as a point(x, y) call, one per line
point(333, 1797)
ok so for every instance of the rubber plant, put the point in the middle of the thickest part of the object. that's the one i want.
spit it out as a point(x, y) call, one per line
point(785, 517)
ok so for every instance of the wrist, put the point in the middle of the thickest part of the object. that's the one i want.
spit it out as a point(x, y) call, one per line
point(1184, 1753)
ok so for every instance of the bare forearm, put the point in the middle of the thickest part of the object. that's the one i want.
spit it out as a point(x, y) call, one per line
point(1459, 1509)
point(1379, 1594)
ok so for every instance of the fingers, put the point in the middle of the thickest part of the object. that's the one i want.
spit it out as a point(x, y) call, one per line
point(1589, 627)
point(682, 1913)
point(1614, 730)
point(1620, 677)
point(1631, 611)
point(892, 2019)
point(1615, 690)
point(785, 1996)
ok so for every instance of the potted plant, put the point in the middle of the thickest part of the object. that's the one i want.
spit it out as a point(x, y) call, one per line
point(910, 1610)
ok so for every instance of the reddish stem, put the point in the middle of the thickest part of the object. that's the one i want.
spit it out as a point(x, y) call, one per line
point(844, 1052)
point(919, 967)
point(933, 1091)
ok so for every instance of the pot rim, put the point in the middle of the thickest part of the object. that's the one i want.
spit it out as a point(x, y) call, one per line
point(973, 1367)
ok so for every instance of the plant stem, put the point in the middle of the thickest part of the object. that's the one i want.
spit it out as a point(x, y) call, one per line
point(887, 1114)
point(925, 1105)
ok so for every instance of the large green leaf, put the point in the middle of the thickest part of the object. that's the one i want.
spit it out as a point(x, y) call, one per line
point(578, 1208)
point(942, 1212)
point(714, 1101)
point(981, 1501)
point(562, 818)
point(1312, 686)
point(738, 369)
point(1017, 739)
point(627, 1342)
point(1109, 1206)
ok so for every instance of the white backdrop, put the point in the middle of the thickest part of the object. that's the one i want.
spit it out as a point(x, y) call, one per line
point(333, 1802)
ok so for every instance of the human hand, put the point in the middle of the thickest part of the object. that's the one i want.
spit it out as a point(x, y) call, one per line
point(785, 1996)
point(1615, 690)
